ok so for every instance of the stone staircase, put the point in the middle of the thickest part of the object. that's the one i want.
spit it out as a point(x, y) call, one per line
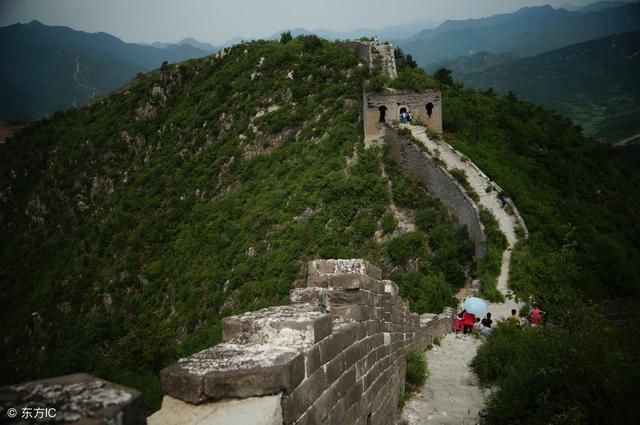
point(388, 59)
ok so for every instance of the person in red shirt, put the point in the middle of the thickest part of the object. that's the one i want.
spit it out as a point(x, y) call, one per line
point(457, 323)
point(535, 316)
point(468, 320)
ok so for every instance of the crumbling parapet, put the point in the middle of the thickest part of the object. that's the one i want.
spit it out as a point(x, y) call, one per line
point(335, 356)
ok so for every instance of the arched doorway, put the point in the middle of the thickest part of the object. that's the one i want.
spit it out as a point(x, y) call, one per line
point(429, 107)
point(383, 113)
point(401, 113)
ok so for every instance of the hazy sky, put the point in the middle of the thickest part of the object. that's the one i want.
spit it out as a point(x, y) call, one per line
point(219, 20)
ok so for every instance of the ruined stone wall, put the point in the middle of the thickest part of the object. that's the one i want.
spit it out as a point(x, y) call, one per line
point(363, 50)
point(414, 102)
point(336, 355)
point(437, 181)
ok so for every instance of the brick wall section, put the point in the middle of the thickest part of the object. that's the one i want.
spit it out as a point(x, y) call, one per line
point(341, 343)
point(437, 181)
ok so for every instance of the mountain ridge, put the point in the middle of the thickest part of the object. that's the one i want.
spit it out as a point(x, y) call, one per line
point(594, 83)
point(524, 33)
point(56, 67)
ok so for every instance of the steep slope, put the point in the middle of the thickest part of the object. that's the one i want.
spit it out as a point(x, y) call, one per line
point(527, 32)
point(132, 226)
point(594, 83)
point(50, 68)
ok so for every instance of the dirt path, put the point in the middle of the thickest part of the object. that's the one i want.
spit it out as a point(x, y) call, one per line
point(451, 395)
point(621, 143)
point(79, 83)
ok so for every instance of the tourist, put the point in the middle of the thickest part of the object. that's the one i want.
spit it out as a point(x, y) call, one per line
point(485, 330)
point(477, 325)
point(457, 322)
point(409, 117)
point(535, 316)
point(486, 322)
point(503, 201)
point(468, 320)
point(513, 320)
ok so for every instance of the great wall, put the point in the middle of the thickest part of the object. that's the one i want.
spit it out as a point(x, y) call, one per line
point(336, 354)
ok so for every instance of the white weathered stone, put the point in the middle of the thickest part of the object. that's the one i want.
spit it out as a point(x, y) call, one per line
point(254, 411)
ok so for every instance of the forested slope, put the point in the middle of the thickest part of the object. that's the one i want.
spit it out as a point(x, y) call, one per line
point(132, 226)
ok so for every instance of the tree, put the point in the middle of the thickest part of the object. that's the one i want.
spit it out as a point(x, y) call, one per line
point(286, 37)
point(311, 43)
point(164, 65)
point(403, 60)
point(444, 76)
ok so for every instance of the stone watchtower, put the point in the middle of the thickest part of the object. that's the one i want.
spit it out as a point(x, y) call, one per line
point(386, 106)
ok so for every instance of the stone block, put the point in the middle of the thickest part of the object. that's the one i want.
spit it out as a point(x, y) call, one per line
point(342, 337)
point(390, 287)
point(345, 382)
point(353, 266)
point(255, 411)
point(290, 326)
point(354, 353)
point(335, 368)
point(314, 296)
point(304, 396)
point(352, 313)
point(78, 398)
point(346, 281)
point(233, 371)
point(373, 327)
point(312, 360)
point(353, 296)
point(354, 394)
point(337, 414)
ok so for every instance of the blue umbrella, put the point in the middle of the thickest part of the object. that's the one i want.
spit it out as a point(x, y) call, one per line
point(476, 306)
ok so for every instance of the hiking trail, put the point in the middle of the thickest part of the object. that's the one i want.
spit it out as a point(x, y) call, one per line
point(452, 394)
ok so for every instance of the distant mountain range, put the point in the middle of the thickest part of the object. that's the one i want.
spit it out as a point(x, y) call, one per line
point(596, 83)
point(392, 32)
point(527, 32)
point(190, 41)
point(47, 68)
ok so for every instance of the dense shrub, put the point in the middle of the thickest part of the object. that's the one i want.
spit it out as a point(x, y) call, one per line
point(389, 222)
point(417, 370)
point(405, 247)
point(555, 375)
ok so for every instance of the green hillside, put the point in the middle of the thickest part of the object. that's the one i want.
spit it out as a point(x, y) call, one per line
point(131, 227)
point(594, 83)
